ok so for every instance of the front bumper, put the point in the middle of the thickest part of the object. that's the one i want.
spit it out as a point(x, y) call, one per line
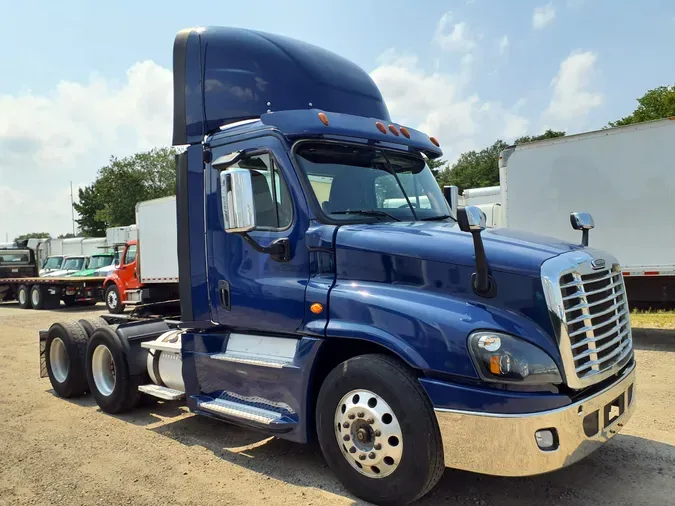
point(505, 445)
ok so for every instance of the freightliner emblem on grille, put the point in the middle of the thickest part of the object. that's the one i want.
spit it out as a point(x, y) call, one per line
point(598, 263)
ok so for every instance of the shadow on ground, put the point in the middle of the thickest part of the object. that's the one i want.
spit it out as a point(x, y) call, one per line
point(654, 339)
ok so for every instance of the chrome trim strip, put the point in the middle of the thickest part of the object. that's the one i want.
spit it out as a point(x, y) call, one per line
point(578, 263)
point(505, 444)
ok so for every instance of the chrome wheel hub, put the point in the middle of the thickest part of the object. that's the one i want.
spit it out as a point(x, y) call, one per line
point(368, 433)
point(103, 370)
point(35, 297)
point(22, 296)
point(112, 299)
point(58, 360)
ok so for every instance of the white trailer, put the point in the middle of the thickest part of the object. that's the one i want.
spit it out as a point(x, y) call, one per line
point(488, 200)
point(157, 241)
point(622, 176)
point(94, 245)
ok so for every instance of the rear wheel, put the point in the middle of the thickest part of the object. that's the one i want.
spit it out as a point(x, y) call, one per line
point(112, 299)
point(23, 296)
point(110, 382)
point(37, 298)
point(91, 324)
point(65, 351)
point(378, 431)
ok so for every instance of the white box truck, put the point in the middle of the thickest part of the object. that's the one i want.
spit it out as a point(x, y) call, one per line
point(488, 200)
point(622, 176)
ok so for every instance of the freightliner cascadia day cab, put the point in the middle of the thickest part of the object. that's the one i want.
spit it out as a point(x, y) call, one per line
point(404, 338)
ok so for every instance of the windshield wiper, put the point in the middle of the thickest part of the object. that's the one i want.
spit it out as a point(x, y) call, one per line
point(436, 218)
point(366, 212)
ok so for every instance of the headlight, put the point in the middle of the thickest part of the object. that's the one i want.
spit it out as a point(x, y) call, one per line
point(507, 359)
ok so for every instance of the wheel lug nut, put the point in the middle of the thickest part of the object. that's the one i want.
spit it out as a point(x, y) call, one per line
point(351, 416)
point(346, 425)
point(378, 433)
point(362, 456)
point(345, 437)
point(370, 421)
point(371, 455)
point(377, 446)
point(360, 414)
point(352, 450)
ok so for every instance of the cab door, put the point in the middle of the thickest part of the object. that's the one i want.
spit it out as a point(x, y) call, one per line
point(249, 290)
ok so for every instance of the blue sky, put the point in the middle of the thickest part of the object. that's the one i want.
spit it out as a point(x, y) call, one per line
point(80, 81)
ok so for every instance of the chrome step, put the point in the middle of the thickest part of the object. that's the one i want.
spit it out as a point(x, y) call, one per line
point(168, 394)
point(245, 358)
point(241, 411)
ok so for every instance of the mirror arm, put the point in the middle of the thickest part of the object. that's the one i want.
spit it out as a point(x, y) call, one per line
point(279, 250)
point(584, 237)
point(481, 282)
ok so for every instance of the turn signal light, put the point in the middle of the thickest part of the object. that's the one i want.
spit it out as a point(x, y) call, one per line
point(316, 308)
point(380, 126)
point(323, 118)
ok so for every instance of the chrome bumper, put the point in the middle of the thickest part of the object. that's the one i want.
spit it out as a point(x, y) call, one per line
point(505, 445)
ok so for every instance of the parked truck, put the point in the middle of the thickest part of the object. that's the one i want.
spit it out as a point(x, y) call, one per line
point(623, 177)
point(148, 267)
point(405, 339)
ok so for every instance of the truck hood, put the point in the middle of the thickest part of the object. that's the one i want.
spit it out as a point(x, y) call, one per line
point(58, 274)
point(506, 250)
point(100, 272)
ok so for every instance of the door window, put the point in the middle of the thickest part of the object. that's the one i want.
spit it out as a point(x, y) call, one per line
point(273, 209)
point(131, 255)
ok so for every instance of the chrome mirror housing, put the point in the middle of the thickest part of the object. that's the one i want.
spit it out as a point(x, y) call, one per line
point(238, 206)
point(583, 222)
point(471, 219)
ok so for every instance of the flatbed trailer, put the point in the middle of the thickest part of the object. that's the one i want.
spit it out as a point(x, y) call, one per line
point(47, 293)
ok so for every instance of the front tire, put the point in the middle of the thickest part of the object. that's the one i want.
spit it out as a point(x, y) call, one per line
point(65, 351)
point(23, 296)
point(112, 299)
point(110, 382)
point(378, 431)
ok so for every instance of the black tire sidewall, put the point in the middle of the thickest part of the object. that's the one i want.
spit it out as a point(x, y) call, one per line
point(117, 309)
point(416, 418)
point(75, 383)
point(119, 400)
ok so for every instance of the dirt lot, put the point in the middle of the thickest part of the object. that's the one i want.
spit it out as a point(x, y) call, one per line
point(54, 451)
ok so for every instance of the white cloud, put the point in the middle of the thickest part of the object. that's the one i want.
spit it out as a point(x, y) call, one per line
point(572, 100)
point(503, 44)
point(543, 16)
point(48, 140)
point(441, 104)
point(453, 37)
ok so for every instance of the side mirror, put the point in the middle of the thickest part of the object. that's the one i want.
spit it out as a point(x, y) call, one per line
point(236, 194)
point(225, 161)
point(583, 222)
point(471, 219)
point(451, 194)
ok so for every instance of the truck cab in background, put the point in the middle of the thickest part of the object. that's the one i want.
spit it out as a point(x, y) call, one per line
point(328, 289)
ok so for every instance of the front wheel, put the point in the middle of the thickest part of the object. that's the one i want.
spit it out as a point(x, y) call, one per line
point(378, 431)
point(112, 299)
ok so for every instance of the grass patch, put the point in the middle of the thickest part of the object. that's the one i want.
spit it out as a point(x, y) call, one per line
point(653, 319)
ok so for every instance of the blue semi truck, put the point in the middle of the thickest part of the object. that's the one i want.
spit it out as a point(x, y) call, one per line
point(330, 290)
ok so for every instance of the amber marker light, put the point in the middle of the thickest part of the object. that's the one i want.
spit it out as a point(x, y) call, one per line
point(405, 132)
point(434, 142)
point(380, 126)
point(323, 118)
point(393, 130)
point(316, 308)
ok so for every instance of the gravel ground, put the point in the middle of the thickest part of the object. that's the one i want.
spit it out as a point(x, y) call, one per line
point(55, 451)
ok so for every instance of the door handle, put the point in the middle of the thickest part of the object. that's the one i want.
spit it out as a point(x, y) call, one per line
point(224, 294)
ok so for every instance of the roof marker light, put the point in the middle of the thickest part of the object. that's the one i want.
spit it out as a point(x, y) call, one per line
point(380, 126)
point(434, 142)
point(323, 118)
point(405, 132)
point(393, 130)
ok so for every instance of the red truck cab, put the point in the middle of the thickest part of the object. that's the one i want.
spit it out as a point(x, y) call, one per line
point(124, 278)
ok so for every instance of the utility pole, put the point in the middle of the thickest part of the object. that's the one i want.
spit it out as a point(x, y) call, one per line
point(72, 209)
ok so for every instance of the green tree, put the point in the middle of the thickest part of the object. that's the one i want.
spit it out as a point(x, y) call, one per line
point(477, 169)
point(111, 200)
point(655, 104)
point(67, 236)
point(33, 235)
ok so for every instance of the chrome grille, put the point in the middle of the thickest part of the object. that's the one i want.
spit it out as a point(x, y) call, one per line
point(591, 310)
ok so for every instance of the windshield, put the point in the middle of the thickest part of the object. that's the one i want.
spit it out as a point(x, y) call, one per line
point(53, 263)
point(96, 262)
point(352, 182)
point(73, 264)
point(15, 257)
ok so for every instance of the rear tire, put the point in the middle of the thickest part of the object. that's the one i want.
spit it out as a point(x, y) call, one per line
point(91, 324)
point(23, 296)
point(110, 382)
point(112, 299)
point(65, 351)
point(37, 297)
point(387, 448)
